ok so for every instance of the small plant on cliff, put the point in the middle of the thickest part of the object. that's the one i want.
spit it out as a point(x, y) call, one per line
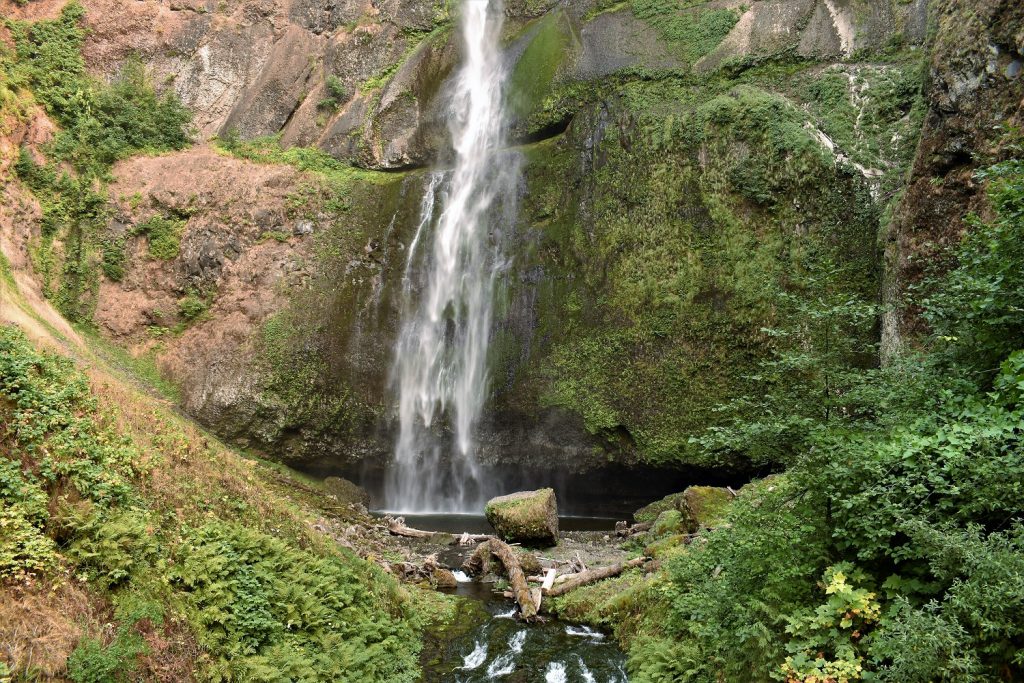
point(336, 93)
point(193, 306)
point(164, 235)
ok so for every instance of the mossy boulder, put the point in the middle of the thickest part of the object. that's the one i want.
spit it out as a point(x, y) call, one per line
point(664, 547)
point(650, 512)
point(668, 522)
point(443, 578)
point(346, 492)
point(526, 517)
point(695, 508)
point(706, 505)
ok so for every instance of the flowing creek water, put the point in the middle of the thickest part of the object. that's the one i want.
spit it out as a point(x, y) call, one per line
point(504, 649)
point(501, 648)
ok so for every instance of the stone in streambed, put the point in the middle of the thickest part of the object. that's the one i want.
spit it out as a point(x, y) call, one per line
point(525, 517)
point(443, 578)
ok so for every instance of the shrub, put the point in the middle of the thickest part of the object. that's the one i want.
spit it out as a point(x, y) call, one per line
point(192, 306)
point(92, 662)
point(109, 548)
point(164, 235)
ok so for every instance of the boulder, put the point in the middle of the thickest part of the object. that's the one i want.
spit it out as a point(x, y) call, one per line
point(706, 505)
point(443, 578)
point(698, 507)
point(650, 512)
point(668, 522)
point(346, 492)
point(526, 516)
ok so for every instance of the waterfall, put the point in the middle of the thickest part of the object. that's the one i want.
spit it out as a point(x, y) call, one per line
point(453, 262)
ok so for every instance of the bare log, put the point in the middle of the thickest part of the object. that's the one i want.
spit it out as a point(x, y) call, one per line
point(466, 538)
point(549, 579)
point(396, 526)
point(583, 578)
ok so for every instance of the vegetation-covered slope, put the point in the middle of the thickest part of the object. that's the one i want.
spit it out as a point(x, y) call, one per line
point(133, 546)
point(892, 548)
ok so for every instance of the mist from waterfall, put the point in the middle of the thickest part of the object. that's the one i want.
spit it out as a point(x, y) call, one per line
point(453, 262)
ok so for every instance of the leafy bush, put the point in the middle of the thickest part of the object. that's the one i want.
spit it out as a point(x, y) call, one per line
point(904, 491)
point(100, 123)
point(192, 306)
point(53, 416)
point(336, 93)
point(694, 32)
point(164, 235)
point(830, 642)
point(50, 61)
point(111, 547)
point(114, 258)
point(125, 117)
point(978, 309)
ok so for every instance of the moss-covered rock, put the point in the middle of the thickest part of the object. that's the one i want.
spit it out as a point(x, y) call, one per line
point(695, 508)
point(346, 492)
point(666, 546)
point(651, 512)
point(668, 522)
point(705, 506)
point(526, 516)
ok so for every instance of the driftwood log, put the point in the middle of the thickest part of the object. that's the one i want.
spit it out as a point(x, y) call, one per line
point(397, 527)
point(592, 575)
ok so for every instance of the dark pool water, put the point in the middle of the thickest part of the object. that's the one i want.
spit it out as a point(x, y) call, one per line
point(505, 649)
point(477, 524)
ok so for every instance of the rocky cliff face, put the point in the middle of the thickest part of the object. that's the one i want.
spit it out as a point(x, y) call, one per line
point(683, 164)
point(975, 101)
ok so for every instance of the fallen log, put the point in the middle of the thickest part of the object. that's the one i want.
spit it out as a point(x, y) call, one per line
point(476, 562)
point(466, 538)
point(396, 526)
point(528, 605)
point(516, 578)
point(592, 575)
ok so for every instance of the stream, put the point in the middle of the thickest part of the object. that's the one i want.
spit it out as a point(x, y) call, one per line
point(501, 648)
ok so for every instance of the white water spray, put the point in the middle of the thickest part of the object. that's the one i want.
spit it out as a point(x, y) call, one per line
point(441, 352)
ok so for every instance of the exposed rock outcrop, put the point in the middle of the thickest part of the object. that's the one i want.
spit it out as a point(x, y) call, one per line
point(976, 90)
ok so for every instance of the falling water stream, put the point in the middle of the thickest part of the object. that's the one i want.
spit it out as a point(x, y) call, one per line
point(452, 264)
point(439, 373)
